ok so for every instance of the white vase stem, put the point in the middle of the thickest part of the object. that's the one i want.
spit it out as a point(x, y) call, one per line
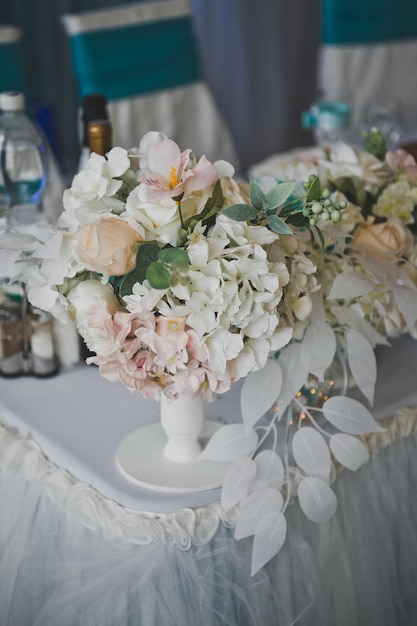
point(182, 421)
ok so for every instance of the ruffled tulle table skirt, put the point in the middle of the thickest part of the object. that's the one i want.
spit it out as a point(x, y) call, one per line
point(70, 557)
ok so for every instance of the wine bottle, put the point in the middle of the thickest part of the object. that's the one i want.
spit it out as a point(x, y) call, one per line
point(93, 107)
point(100, 136)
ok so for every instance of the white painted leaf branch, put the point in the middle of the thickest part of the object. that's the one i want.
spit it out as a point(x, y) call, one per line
point(289, 440)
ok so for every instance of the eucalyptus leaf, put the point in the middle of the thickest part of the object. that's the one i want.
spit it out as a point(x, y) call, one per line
point(350, 416)
point(362, 363)
point(349, 451)
point(269, 470)
point(158, 276)
point(350, 317)
point(406, 299)
point(294, 376)
point(125, 285)
point(229, 443)
point(318, 348)
point(256, 195)
point(316, 499)
point(259, 392)
point(269, 538)
point(174, 256)
point(279, 194)
point(255, 507)
point(240, 212)
point(147, 253)
point(237, 482)
point(311, 453)
point(350, 285)
point(278, 225)
point(382, 270)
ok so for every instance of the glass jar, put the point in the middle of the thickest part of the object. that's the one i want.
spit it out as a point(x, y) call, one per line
point(44, 360)
point(11, 339)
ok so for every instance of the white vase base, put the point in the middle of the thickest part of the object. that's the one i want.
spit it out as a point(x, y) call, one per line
point(140, 458)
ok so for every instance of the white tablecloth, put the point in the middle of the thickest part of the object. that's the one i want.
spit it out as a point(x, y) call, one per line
point(70, 526)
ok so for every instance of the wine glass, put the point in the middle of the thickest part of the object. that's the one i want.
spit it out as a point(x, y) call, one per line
point(387, 115)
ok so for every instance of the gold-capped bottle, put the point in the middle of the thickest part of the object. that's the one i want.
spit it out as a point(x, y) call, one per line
point(100, 136)
point(93, 107)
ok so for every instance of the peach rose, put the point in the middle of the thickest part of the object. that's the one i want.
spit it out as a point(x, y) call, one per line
point(108, 246)
point(387, 240)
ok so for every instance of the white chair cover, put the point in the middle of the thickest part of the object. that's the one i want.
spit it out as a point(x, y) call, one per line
point(11, 70)
point(144, 59)
point(369, 54)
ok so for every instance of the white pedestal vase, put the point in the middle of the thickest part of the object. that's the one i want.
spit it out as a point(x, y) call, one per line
point(182, 420)
point(164, 456)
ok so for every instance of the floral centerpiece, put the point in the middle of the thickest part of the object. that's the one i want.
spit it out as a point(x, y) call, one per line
point(372, 270)
point(170, 293)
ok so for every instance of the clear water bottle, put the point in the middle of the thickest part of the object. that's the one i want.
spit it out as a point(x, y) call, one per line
point(23, 162)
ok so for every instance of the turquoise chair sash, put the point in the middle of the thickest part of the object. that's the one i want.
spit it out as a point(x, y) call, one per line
point(136, 59)
point(368, 21)
point(11, 72)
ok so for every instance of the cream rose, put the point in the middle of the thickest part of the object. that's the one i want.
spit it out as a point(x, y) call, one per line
point(108, 246)
point(88, 292)
point(387, 240)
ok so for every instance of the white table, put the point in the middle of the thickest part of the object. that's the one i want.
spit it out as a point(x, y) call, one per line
point(77, 549)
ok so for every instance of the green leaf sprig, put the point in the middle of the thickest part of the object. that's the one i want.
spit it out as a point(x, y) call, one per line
point(207, 215)
point(165, 266)
point(318, 205)
point(264, 207)
point(162, 267)
point(374, 143)
point(279, 208)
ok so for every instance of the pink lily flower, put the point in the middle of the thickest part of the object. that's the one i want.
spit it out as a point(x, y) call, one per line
point(167, 175)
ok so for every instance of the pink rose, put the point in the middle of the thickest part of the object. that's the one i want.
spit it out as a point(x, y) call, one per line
point(403, 163)
point(108, 246)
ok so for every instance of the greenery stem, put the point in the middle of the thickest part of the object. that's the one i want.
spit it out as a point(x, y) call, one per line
point(180, 212)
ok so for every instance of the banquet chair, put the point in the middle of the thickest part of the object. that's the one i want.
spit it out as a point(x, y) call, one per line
point(144, 58)
point(12, 76)
point(368, 56)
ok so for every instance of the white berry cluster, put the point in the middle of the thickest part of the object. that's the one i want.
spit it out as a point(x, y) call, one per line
point(323, 208)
